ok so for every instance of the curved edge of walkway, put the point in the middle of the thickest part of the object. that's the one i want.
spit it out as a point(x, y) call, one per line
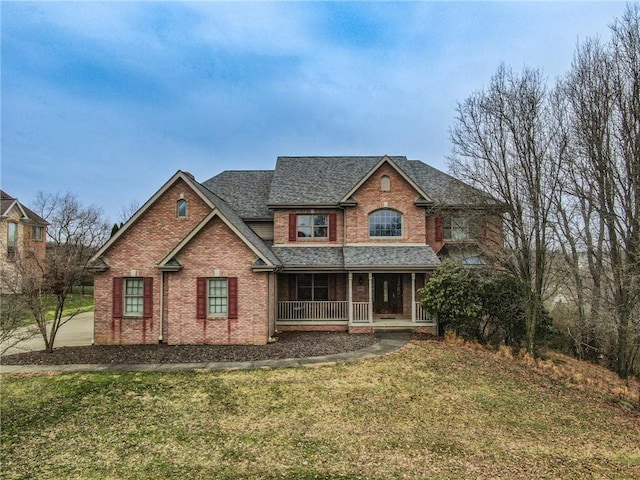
point(388, 342)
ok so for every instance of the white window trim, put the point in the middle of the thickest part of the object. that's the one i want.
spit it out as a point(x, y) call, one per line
point(125, 312)
point(386, 236)
point(211, 314)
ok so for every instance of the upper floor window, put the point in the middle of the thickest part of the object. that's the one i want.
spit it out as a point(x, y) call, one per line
point(12, 238)
point(312, 226)
point(459, 228)
point(182, 208)
point(37, 233)
point(385, 223)
point(385, 183)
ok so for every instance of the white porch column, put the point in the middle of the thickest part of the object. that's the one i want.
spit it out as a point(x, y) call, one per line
point(370, 297)
point(350, 290)
point(413, 297)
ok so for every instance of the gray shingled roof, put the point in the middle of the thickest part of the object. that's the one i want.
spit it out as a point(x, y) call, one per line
point(326, 180)
point(390, 256)
point(6, 201)
point(237, 222)
point(317, 180)
point(441, 187)
point(327, 257)
point(360, 257)
point(247, 192)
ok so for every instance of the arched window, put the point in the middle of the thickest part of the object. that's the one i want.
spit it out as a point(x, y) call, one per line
point(385, 183)
point(385, 223)
point(182, 208)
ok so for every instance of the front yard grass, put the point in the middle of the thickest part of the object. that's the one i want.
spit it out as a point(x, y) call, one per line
point(431, 410)
point(76, 302)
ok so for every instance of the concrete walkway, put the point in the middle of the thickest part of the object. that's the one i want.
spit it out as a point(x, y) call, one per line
point(75, 333)
point(388, 341)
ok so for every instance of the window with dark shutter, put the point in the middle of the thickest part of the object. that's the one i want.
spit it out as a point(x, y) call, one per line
point(332, 227)
point(117, 297)
point(292, 227)
point(147, 307)
point(233, 297)
point(201, 297)
point(439, 229)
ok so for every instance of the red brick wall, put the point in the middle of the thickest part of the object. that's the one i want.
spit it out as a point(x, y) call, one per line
point(370, 197)
point(136, 253)
point(147, 242)
point(217, 250)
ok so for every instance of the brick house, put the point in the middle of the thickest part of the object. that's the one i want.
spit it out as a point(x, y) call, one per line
point(325, 243)
point(23, 242)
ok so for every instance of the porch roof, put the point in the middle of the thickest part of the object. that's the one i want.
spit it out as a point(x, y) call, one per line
point(385, 257)
point(369, 257)
point(315, 257)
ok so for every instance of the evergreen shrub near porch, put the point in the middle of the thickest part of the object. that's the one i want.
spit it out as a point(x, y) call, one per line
point(479, 304)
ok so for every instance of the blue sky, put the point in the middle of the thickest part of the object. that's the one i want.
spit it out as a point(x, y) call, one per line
point(109, 99)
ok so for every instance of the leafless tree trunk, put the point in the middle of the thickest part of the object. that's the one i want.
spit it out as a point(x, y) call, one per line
point(598, 213)
point(73, 235)
point(505, 143)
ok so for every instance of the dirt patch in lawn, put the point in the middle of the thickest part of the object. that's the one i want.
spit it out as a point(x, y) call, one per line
point(288, 345)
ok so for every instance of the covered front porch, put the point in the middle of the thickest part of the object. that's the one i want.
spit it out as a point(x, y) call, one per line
point(355, 288)
point(352, 299)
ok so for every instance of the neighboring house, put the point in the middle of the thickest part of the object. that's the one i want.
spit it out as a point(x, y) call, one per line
point(23, 242)
point(323, 243)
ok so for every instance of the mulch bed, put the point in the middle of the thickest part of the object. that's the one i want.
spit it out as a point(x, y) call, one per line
point(289, 345)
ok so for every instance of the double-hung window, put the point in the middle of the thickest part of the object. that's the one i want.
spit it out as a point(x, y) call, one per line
point(459, 228)
point(218, 296)
point(385, 223)
point(133, 297)
point(313, 226)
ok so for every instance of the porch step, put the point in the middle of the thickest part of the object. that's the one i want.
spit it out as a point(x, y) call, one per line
point(398, 335)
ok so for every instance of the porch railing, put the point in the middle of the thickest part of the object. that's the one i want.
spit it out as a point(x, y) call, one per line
point(313, 311)
point(360, 312)
point(422, 316)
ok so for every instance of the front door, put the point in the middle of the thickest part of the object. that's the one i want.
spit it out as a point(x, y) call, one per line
point(387, 298)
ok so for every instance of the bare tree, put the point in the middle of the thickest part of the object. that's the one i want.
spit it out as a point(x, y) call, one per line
point(74, 233)
point(128, 211)
point(599, 212)
point(505, 143)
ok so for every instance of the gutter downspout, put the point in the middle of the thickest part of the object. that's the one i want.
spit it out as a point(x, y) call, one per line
point(160, 338)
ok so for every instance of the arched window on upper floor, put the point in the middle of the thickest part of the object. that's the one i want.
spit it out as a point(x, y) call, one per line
point(385, 183)
point(385, 223)
point(181, 208)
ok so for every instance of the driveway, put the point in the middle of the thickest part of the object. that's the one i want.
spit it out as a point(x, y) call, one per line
point(76, 332)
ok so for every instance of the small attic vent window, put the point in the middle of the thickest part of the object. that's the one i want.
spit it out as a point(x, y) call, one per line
point(182, 208)
point(385, 183)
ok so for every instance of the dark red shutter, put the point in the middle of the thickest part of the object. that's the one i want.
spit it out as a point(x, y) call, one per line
point(117, 297)
point(233, 297)
point(293, 227)
point(147, 292)
point(332, 227)
point(439, 229)
point(201, 297)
